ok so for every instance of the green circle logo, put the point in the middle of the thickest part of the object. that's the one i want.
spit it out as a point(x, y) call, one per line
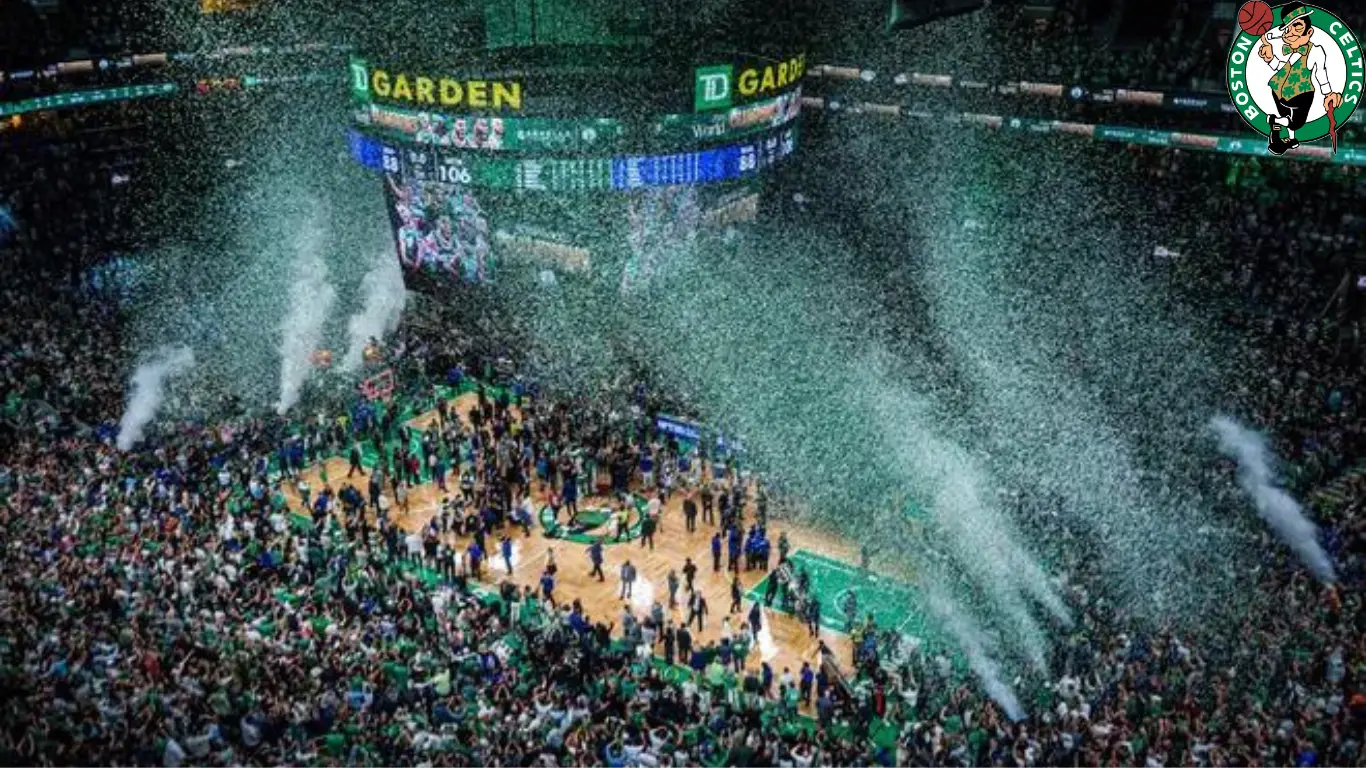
point(593, 523)
point(1294, 73)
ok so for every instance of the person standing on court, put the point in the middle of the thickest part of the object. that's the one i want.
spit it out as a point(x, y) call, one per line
point(475, 552)
point(690, 514)
point(697, 610)
point(376, 486)
point(569, 493)
point(736, 594)
point(689, 571)
point(708, 501)
point(647, 531)
point(595, 557)
point(733, 550)
point(628, 579)
point(813, 617)
point(672, 582)
point(355, 462)
point(670, 638)
point(654, 509)
point(521, 515)
point(716, 551)
point(684, 638)
point(548, 587)
point(507, 553)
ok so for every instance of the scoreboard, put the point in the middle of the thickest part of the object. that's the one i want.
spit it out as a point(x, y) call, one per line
point(569, 174)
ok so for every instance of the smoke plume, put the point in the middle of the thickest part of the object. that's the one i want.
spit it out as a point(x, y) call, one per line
point(310, 299)
point(1257, 478)
point(384, 300)
point(147, 390)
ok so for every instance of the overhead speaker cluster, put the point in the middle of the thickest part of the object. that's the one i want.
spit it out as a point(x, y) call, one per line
point(910, 14)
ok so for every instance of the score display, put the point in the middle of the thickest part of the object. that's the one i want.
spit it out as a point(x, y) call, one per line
point(625, 172)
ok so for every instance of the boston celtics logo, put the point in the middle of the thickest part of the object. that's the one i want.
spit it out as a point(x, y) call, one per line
point(593, 522)
point(1294, 73)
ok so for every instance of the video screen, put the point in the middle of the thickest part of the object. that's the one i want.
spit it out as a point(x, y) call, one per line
point(434, 129)
point(441, 232)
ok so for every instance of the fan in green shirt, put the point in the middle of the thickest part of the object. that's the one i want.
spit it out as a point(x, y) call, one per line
point(718, 759)
point(441, 683)
point(977, 739)
point(334, 743)
point(397, 673)
point(218, 700)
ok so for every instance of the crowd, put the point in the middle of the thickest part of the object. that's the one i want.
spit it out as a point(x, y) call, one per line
point(163, 606)
point(75, 177)
point(1286, 246)
point(1186, 51)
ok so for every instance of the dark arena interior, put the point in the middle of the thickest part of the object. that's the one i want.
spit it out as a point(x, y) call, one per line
point(682, 382)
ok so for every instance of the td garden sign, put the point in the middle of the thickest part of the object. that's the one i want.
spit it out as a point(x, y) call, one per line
point(723, 85)
point(420, 90)
point(716, 87)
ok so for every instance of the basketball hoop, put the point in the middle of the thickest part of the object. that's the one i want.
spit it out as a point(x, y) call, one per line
point(378, 387)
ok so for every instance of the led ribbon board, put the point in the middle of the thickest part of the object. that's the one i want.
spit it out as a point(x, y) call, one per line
point(70, 99)
point(707, 166)
point(530, 134)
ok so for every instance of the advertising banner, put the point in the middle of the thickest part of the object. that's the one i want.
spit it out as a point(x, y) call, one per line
point(706, 166)
point(226, 6)
point(1255, 146)
point(492, 133)
point(541, 134)
point(548, 249)
point(733, 123)
point(86, 98)
point(683, 429)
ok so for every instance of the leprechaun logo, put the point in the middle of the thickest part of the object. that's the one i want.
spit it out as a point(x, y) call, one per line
point(596, 523)
point(1294, 73)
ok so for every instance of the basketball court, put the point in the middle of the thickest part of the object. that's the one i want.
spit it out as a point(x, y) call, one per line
point(784, 641)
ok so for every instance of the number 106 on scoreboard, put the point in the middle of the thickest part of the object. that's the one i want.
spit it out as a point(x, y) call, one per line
point(453, 172)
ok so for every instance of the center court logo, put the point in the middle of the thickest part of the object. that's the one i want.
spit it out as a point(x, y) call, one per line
point(592, 524)
point(1294, 73)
